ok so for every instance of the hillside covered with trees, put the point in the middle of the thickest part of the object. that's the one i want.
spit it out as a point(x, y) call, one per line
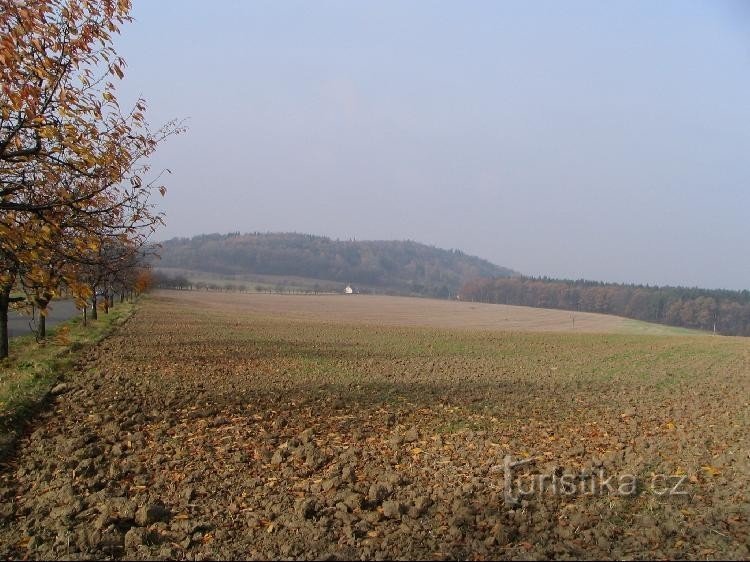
point(393, 266)
point(726, 311)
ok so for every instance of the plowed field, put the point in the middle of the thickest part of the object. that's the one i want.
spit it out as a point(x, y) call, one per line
point(293, 428)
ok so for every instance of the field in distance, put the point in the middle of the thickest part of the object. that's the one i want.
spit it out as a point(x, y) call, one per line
point(413, 311)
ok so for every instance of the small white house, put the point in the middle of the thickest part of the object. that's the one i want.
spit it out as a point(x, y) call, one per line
point(348, 290)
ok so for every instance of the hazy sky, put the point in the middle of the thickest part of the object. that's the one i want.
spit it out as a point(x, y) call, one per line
point(606, 140)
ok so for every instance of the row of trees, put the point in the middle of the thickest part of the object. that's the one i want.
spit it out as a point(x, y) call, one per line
point(75, 208)
point(162, 280)
point(727, 312)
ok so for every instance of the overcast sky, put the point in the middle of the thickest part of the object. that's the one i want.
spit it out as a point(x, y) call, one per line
point(605, 140)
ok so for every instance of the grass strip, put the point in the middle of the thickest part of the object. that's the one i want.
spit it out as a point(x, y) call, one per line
point(32, 369)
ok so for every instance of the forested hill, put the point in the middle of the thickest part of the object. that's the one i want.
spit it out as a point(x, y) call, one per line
point(728, 312)
point(397, 266)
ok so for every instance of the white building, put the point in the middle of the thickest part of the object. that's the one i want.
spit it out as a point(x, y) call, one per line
point(348, 290)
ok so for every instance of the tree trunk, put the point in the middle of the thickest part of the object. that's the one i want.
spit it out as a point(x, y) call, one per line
point(85, 315)
point(94, 312)
point(42, 323)
point(42, 304)
point(4, 343)
point(106, 302)
point(122, 297)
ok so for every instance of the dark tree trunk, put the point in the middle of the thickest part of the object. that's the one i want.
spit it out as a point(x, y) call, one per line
point(85, 315)
point(106, 302)
point(122, 297)
point(42, 304)
point(4, 302)
point(94, 312)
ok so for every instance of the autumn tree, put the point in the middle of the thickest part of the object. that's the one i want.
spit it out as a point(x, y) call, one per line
point(144, 280)
point(72, 163)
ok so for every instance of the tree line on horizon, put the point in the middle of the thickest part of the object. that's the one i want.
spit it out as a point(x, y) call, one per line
point(180, 282)
point(399, 267)
point(727, 312)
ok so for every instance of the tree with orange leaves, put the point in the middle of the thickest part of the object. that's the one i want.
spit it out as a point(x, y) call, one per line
point(144, 281)
point(72, 163)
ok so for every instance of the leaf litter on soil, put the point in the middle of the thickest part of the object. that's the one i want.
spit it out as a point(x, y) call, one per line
point(201, 433)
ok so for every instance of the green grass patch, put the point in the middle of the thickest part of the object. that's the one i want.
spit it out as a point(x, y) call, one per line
point(630, 326)
point(461, 424)
point(33, 368)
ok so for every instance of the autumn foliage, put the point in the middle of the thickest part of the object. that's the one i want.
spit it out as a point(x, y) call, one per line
point(73, 162)
point(144, 281)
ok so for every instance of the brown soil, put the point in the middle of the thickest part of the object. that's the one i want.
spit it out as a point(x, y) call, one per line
point(410, 311)
point(224, 433)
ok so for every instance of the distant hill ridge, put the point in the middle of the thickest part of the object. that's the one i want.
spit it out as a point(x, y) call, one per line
point(389, 265)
